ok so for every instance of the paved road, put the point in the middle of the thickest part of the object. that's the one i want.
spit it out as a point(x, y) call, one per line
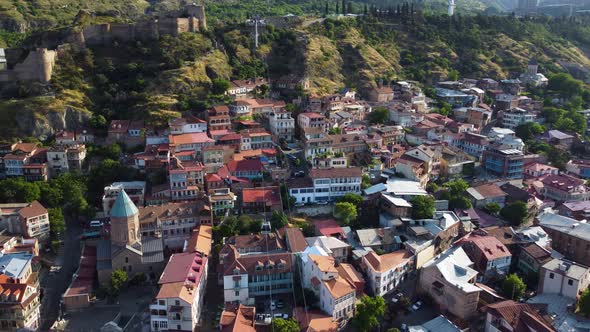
point(55, 285)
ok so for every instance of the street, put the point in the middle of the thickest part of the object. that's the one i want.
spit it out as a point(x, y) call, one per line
point(54, 285)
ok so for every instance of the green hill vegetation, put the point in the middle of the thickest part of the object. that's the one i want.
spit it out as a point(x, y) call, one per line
point(160, 79)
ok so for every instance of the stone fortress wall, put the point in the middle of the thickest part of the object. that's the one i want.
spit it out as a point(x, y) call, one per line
point(37, 64)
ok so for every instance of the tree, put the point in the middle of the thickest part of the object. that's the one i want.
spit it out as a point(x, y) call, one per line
point(368, 313)
point(219, 86)
point(352, 198)
point(345, 213)
point(118, 279)
point(492, 208)
point(285, 325)
point(583, 306)
point(565, 84)
point(378, 115)
point(423, 207)
point(529, 130)
point(453, 75)
point(56, 221)
point(278, 219)
point(513, 287)
point(456, 187)
point(516, 213)
point(366, 181)
point(17, 190)
point(287, 200)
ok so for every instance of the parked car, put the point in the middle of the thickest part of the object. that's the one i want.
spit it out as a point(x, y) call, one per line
point(278, 316)
point(396, 298)
point(285, 316)
point(322, 203)
point(280, 304)
point(299, 174)
point(96, 224)
point(417, 306)
point(404, 327)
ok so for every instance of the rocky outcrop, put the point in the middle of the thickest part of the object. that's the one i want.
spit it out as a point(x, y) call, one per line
point(39, 125)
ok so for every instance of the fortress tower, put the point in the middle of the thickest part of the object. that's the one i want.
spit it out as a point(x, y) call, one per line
point(124, 221)
point(198, 12)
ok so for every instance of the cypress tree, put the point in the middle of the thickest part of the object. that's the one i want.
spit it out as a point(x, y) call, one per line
point(337, 8)
point(343, 7)
point(326, 9)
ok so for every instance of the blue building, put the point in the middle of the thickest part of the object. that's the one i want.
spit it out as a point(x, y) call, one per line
point(503, 161)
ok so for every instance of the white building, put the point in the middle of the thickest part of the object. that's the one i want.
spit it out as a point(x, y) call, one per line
point(182, 287)
point(63, 158)
point(515, 117)
point(563, 277)
point(282, 125)
point(187, 125)
point(386, 272)
point(327, 184)
point(337, 295)
point(337, 249)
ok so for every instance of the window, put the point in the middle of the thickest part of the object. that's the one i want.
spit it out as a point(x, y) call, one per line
point(237, 293)
point(162, 302)
point(126, 259)
point(570, 282)
point(551, 275)
point(177, 302)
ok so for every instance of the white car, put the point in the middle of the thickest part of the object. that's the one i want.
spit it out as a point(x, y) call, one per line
point(417, 306)
point(278, 316)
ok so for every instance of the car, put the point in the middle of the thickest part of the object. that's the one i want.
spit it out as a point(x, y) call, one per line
point(417, 306)
point(298, 204)
point(273, 305)
point(267, 319)
point(299, 174)
point(96, 224)
point(404, 327)
point(322, 203)
point(285, 316)
point(280, 304)
point(278, 316)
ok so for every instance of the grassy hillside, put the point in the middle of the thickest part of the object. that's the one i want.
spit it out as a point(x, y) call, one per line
point(160, 79)
point(423, 48)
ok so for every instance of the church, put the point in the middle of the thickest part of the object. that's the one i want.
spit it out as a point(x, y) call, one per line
point(127, 250)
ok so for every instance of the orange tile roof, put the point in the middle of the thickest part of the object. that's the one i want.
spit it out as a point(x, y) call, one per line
point(387, 261)
point(191, 138)
point(324, 263)
point(314, 321)
point(339, 287)
point(33, 210)
point(240, 319)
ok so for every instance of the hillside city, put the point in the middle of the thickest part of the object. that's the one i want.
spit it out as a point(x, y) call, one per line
point(285, 174)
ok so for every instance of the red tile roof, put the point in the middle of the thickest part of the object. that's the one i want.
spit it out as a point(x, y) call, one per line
point(519, 315)
point(252, 165)
point(317, 173)
point(32, 210)
point(491, 247)
point(269, 195)
point(295, 239)
point(329, 227)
